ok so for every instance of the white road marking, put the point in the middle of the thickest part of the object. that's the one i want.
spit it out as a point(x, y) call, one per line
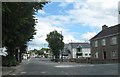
point(67, 73)
point(23, 72)
point(43, 72)
point(67, 66)
point(63, 66)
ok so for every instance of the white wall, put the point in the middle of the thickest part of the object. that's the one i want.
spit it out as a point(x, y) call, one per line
point(74, 53)
point(86, 51)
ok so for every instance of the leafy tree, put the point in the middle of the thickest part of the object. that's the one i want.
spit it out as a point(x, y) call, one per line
point(41, 52)
point(18, 25)
point(56, 43)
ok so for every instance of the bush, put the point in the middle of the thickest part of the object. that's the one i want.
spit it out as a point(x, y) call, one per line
point(9, 62)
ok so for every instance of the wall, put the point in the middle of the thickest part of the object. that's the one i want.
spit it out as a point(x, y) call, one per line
point(74, 52)
point(86, 51)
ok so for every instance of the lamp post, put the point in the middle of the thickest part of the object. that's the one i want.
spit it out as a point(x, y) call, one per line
point(71, 50)
point(61, 49)
point(18, 54)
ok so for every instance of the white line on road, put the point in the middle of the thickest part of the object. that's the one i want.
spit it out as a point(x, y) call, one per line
point(67, 73)
point(23, 72)
point(64, 66)
point(67, 66)
point(43, 72)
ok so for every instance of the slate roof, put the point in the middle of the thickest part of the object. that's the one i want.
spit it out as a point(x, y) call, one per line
point(65, 51)
point(108, 31)
point(84, 45)
point(65, 45)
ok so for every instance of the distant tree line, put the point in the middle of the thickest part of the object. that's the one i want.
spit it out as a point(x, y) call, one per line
point(41, 51)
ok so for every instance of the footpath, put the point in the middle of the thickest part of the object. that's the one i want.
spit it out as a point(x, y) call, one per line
point(8, 70)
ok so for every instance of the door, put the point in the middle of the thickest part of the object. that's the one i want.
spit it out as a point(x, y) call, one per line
point(104, 55)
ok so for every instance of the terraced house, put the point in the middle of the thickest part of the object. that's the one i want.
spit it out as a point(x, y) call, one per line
point(104, 46)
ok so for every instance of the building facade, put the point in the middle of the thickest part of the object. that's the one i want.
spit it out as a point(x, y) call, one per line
point(80, 50)
point(104, 46)
point(77, 50)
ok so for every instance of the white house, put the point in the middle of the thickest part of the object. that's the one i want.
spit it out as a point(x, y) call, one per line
point(78, 50)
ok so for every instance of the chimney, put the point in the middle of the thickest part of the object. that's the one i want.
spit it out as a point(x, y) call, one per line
point(104, 27)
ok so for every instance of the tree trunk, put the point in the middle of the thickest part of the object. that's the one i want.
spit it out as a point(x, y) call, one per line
point(56, 58)
point(20, 57)
point(11, 58)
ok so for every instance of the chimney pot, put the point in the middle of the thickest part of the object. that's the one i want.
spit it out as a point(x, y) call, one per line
point(104, 27)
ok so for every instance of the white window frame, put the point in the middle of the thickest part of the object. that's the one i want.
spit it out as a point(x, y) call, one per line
point(113, 40)
point(96, 55)
point(103, 42)
point(113, 54)
point(96, 43)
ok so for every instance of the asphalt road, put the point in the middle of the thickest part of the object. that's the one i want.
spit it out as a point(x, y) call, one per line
point(41, 66)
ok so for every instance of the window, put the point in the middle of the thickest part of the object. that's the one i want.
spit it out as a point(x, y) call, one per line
point(113, 54)
point(103, 42)
point(114, 40)
point(86, 54)
point(96, 55)
point(96, 43)
point(79, 49)
point(79, 54)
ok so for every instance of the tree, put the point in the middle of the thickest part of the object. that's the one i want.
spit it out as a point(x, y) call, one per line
point(56, 43)
point(18, 25)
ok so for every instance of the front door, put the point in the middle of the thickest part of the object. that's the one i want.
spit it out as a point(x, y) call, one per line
point(104, 55)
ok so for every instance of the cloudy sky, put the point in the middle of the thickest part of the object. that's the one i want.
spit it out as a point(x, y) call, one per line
point(77, 20)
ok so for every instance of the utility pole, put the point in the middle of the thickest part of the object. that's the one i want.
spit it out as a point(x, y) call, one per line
point(61, 49)
point(71, 49)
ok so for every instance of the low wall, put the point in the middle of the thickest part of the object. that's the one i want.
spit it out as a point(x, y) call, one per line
point(96, 61)
point(89, 60)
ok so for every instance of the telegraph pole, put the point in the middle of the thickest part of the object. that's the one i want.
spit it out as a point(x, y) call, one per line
point(61, 49)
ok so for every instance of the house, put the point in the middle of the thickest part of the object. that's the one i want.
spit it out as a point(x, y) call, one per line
point(104, 45)
point(65, 53)
point(77, 50)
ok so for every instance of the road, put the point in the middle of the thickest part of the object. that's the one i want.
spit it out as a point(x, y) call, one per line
point(42, 66)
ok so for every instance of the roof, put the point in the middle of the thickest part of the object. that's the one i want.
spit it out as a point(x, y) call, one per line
point(84, 45)
point(108, 31)
point(65, 45)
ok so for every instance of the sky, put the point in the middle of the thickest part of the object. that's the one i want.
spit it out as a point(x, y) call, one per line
point(76, 20)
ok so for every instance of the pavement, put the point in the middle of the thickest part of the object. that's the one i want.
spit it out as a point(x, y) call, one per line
point(8, 70)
